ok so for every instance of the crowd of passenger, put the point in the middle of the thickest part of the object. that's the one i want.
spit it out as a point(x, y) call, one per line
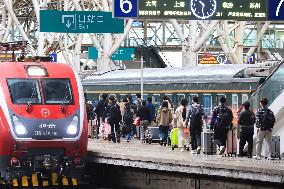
point(189, 118)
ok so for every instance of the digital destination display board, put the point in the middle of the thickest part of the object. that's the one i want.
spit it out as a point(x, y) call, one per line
point(251, 10)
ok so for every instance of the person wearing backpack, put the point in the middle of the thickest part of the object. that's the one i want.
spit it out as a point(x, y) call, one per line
point(128, 117)
point(194, 117)
point(100, 108)
point(246, 124)
point(265, 121)
point(138, 101)
point(221, 123)
point(114, 117)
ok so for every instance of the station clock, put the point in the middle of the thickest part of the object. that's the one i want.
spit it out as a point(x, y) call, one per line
point(203, 9)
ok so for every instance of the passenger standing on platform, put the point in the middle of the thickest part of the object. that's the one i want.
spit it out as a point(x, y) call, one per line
point(145, 119)
point(194, 117)
point(90, 110)
point(133, 108)
point(128, 117)
point(100, 108)
point(179, 122)
point(114, 117)
point(246, 124)
point(167, 99)
point(221, 122)
point(138, 101)
point(151, 107)
point(164, 119)
point(265, 121)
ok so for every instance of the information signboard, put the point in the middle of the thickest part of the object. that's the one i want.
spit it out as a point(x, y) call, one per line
point(251, 10)
point(79, 22)
point(119, 54)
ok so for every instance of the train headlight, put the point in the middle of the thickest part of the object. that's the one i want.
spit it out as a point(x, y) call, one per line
point(72, 128)
point(20, 129)
point(36, 71)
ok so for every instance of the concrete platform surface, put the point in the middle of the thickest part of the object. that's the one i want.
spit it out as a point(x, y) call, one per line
point(156, 157)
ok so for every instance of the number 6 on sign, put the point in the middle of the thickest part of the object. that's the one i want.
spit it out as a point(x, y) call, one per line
point(122, 6)
point(125, 8)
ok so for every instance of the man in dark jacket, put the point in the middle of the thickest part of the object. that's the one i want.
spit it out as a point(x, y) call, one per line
point(144, 115)
point(195, 116)
point(264, 122)
point(100, 109)
point(221, 122)
point(114, 117)
point(151, 107)
point(134, 109)
point(246, 124)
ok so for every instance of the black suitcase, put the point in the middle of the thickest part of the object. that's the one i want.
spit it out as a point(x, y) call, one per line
point(152, 134)
point(275, 150)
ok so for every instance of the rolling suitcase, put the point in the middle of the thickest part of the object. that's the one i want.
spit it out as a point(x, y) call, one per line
point(275, 147)
point(231, 144)
point(174, 138)
point(107, 131)
point(207, 142)
point(152, 134)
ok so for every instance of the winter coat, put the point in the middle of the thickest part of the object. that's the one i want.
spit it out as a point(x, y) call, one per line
point(164, 117)
point(151, 107)
point(144, 113)
point(178, 120)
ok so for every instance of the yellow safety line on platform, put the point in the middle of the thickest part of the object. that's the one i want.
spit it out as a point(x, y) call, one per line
point(25, 181)
point(54, 179)
point(65, 181)
point(74, 182)
point(15, 182)
point(44, 183)
point(34, 179)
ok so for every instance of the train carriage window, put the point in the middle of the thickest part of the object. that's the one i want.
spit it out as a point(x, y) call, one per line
point(156, 98)
point(244, 98)
point(235, 101)
point(24, 91)
point(207, 103)
point(145, 96)
point(57, 91)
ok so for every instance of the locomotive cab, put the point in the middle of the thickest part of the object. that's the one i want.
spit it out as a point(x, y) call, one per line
point(43, 120)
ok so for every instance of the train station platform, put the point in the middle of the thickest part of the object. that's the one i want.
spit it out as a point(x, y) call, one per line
point(157, 158)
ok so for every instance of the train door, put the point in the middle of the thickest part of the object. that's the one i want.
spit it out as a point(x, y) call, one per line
point(156, 99)
point(207, 104)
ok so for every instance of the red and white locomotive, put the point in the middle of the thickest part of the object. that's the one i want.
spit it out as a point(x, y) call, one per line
point(43, 124)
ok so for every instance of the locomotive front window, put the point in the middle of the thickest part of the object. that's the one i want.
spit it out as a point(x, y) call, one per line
point(24, 91)
point(57, 91)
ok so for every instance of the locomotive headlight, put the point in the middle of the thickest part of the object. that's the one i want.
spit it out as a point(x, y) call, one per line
point(20, 129)
point(72, 128)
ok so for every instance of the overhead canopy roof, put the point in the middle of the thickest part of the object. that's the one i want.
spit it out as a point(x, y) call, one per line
point(202, 74)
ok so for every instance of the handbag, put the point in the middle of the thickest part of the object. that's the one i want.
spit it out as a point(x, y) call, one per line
point(136, 121)
point(185, 130)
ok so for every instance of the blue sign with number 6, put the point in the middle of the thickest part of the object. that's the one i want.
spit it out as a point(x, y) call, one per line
point(125, 8)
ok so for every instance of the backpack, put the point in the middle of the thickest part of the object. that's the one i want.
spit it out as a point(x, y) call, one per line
point(225, 117)
point(115, 114)
point(128, 116)
point(196, 115)
point(268, 119)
